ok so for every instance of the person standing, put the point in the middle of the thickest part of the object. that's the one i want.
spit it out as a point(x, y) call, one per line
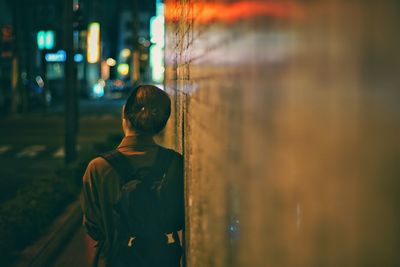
point(132, 197)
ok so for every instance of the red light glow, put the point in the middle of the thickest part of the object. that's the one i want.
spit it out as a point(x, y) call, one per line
point(231, 12)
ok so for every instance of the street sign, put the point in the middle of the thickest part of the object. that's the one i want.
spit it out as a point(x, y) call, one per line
point(60, 56)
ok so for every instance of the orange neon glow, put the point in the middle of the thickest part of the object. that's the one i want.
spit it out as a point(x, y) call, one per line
point(231, 12)
point(7, 33)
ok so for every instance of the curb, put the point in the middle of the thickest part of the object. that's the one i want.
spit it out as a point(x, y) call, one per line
point(46, 248)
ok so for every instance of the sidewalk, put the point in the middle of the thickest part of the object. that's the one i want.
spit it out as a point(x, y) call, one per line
point(66, 244)
point(78, 251)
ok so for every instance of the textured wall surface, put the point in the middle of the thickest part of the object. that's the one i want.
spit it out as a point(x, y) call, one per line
point(288, 115)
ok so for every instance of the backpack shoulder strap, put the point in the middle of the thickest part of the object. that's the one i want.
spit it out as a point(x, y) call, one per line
point(125, 170)
point(161, 162)
point(120, 164)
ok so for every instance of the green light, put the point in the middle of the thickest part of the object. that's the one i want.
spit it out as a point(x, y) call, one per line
point(41, 40)
point(157, 63)
point(157, 30)
point(123, 69)
point(157, 37)
point(49, 42)
point(45, 40)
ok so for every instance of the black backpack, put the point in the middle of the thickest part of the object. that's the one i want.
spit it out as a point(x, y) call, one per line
point(141, 237)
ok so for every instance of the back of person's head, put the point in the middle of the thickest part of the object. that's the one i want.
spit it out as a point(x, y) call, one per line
point(147, 109)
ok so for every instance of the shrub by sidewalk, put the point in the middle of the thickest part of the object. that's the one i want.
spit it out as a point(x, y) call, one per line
point(27, 216)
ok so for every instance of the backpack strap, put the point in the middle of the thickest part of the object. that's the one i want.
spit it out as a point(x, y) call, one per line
point(120, 164)
point(126, 171)
point(161, 163)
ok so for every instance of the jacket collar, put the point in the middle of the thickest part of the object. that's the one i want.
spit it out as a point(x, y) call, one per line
point(137, 141)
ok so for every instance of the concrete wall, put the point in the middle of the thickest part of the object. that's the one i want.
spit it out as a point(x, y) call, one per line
point(288, 115)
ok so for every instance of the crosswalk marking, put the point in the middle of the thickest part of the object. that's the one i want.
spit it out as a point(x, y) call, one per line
point(31, 151)
point(4, 149)
point(60, 152)
point(108, 117)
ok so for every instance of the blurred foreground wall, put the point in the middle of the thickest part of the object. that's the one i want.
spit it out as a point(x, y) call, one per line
point(288, 114)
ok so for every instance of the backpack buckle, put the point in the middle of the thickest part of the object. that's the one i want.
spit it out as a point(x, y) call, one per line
point(130, 241)
point(171, 238)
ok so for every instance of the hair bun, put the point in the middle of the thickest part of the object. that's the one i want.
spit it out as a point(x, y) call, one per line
point(148, 109)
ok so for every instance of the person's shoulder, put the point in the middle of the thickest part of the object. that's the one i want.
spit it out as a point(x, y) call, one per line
point(98, 164)
point(175, 154)
point(97, 169)
point(176, 162)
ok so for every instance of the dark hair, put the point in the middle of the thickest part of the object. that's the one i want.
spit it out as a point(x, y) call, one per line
point(148, 109)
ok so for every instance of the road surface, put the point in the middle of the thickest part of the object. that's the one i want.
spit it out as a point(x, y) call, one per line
point(32, 144)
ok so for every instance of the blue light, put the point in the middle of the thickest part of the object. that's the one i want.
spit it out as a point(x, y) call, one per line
point(60, 56)
point(98, 89)
point(78, 58)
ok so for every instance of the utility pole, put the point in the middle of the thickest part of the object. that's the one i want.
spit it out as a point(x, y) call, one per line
point(16, 59)
point(70, 92)
point(136, 53)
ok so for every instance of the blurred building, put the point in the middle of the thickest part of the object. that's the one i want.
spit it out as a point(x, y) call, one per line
point(35, 49)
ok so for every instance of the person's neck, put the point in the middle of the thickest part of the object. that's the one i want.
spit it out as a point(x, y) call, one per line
point(133, 134)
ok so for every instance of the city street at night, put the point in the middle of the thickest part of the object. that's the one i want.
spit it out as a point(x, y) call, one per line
point(32, 145)
point(199, 133)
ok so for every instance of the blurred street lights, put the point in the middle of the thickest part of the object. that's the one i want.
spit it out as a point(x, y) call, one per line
point(93, 43)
